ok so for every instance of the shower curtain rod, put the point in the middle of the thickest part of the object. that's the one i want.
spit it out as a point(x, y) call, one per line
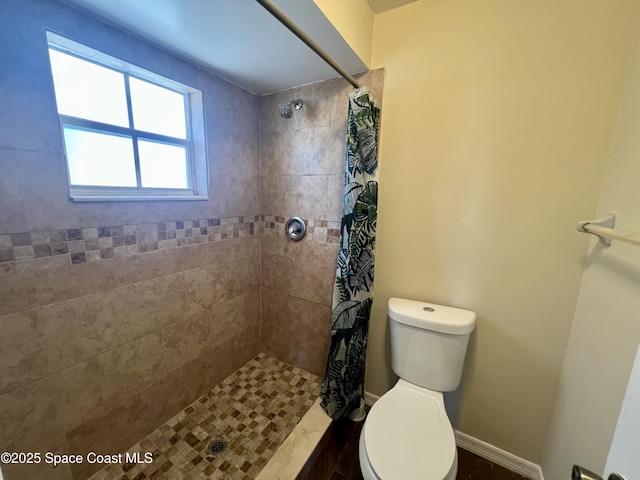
point(287, 22)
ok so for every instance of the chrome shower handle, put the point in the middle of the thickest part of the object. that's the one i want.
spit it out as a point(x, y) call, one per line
point(295, 228)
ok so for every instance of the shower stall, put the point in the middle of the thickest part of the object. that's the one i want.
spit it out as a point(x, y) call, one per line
point(193, 330)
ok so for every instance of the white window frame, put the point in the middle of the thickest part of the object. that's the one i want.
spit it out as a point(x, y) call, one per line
point(195, 143)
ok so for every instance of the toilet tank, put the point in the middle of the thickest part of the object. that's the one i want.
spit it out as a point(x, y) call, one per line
point(429, 342)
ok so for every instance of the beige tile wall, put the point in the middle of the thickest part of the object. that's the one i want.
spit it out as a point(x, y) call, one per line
point(92, 368)
point(95, 355)
point(302, 167)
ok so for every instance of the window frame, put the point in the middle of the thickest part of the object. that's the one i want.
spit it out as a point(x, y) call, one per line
point(194, 144)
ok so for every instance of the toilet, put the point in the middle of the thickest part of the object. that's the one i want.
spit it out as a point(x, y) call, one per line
point(407, 434)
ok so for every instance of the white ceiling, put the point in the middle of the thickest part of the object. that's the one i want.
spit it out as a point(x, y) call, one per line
point(235, 39)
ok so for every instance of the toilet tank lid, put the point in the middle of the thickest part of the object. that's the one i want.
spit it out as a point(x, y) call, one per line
point(438, 318)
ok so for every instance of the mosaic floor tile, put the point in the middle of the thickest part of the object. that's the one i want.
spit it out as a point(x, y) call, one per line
point(253, 410)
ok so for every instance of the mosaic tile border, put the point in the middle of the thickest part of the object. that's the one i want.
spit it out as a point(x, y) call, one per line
point(82, 245)
point(323, 231)
point(56, 248)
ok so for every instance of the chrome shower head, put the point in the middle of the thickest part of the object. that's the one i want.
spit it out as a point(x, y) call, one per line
point(286, 109)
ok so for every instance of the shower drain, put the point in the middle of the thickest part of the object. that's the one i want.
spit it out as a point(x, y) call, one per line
point(217, 447)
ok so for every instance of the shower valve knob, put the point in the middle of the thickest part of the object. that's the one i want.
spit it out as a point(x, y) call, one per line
point(295, 228)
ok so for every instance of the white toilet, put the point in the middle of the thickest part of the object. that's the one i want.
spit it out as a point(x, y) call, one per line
point(407, 434)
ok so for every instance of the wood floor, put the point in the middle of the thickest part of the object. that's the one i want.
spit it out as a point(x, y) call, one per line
point(337, 459)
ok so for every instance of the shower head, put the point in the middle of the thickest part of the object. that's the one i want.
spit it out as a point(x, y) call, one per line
point(286, 109)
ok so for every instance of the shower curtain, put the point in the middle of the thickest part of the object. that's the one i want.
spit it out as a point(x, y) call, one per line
point(343, 383)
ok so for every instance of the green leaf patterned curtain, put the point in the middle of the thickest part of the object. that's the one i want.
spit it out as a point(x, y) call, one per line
point(343, 383)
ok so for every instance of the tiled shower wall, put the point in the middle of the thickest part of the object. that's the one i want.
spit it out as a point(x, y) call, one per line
point(302, 167)
point(114, 316)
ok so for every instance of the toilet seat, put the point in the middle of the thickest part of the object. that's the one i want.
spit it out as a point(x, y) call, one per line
point(408, 435)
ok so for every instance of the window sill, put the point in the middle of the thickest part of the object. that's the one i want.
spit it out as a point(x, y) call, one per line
point(137, 198)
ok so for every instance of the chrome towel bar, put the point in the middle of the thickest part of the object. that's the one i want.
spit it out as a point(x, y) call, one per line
point(603, 228)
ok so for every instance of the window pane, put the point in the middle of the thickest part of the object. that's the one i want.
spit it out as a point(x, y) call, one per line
point(162, 165)
point(157, 109)
point(89, 91)
point(99, 159)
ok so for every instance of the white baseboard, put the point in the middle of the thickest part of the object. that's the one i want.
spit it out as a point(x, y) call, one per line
point(486, 450)
point(498, 456)
point(370, 398)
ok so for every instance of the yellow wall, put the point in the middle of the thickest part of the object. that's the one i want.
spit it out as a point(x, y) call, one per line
point(606, 332)
point(354, 21)
point(496, 126)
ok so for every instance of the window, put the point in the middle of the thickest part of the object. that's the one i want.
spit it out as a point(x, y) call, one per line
point(128, 133)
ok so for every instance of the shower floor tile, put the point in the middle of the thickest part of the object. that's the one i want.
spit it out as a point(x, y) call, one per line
point(252, 411)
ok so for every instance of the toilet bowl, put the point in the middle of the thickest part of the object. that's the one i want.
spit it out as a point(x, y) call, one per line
point(408, 436)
